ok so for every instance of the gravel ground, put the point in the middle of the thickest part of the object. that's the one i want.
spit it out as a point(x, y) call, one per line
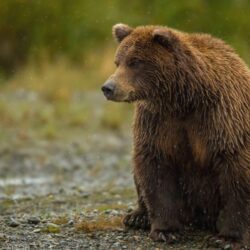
point(71, 196)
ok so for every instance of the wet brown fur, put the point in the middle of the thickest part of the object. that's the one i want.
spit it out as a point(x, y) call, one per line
point(191, 129)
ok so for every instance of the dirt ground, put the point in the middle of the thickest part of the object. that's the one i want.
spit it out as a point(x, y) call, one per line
point(70, 191)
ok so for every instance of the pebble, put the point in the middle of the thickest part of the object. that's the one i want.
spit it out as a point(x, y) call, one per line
point(71, 223)
point(114, 212)
point(33, 220)
point(218, 242)
point(107, 211)
point(38, 230)
point(227, 247)
point(13, 223)
point(137, 238)
point(130, 209)
point(117, 244)
point(85, 195)
point(2, 236)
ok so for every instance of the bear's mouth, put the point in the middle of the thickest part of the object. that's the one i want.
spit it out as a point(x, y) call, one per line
point(120, 97)
point(109, 97)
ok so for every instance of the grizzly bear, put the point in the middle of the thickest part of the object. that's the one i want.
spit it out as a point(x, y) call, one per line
point(191, 131)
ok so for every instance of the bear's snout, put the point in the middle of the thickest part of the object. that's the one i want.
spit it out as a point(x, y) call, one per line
point(108, 89)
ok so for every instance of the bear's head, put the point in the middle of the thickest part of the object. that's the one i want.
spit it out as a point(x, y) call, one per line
point(146, 63)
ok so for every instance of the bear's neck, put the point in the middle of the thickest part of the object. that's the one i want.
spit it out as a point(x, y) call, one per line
point(179, 106)
point(163, 109)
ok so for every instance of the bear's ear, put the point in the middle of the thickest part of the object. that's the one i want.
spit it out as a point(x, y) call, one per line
point(166, 38)
point(120, 31)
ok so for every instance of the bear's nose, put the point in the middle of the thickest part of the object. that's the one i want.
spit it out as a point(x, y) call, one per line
point(108, 89)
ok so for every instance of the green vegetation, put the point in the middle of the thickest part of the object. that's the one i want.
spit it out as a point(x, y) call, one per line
point(31, 29)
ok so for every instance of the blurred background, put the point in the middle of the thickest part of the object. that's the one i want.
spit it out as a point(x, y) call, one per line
point(58, 133)
point(56, 52)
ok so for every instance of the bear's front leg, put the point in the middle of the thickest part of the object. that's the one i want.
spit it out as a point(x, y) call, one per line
point(234, 220)
point(159, 187)
point(138, 218)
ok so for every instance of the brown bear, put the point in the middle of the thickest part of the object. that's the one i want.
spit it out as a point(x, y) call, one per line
point(191, 131)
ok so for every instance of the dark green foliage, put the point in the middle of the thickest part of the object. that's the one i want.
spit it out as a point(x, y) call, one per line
point(28, 28)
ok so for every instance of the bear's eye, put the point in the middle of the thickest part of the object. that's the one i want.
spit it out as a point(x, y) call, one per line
point(134, 63)
point(117, 63)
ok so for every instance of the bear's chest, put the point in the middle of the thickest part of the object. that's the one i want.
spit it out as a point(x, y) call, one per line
point(182, 143)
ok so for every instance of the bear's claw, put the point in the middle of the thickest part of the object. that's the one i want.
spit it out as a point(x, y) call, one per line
point(137, 219)
point(164, 236)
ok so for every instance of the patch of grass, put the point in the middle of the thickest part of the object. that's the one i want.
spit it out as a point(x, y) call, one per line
point(57, 80)
point(7, 117)
point(60, 220)
point(9, 190)
point(125, 193)
point(6, 204)
point(49, 131)
point(100, 224)
point(79, 115)
point(41, 119)
point(105, 207)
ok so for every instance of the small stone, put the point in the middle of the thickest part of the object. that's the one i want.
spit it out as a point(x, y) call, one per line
point(71, 223)
point(227, 247)
point(114, 212)
point(137, 238)
point(218, 242)
point(107, 211)
point(13, 223)
point(33, 220)
point(130, 209)
point(85, 195)
point(2, 236)
point(116, 244)
point(38, 230)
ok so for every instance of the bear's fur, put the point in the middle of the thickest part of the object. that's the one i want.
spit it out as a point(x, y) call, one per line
point(191, 130)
